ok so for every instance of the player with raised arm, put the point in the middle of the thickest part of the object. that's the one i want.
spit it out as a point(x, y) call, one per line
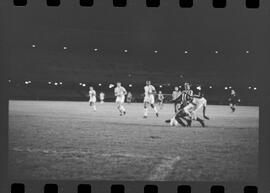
point(160, 99)
point(120, 92)
point(149, 98)
point(92, 98)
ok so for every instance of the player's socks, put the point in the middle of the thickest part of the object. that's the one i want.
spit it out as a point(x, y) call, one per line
point(95, 108)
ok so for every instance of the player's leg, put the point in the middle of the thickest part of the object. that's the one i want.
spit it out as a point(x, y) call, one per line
point(94, 104)
point(232, 106)
point(152, 104)
point(179, 116)
point(175, 107)
point(119, 106)
point(122, 105)
point(196, 118)
point(145, 114)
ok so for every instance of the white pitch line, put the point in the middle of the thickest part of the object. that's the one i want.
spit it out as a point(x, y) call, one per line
point(164, 169)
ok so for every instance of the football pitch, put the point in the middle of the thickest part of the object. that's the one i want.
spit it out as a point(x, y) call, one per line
point(68, 140)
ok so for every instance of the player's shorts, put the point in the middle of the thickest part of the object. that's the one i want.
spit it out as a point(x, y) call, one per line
point(120, 99)
point(149, 99)
point(93, 100)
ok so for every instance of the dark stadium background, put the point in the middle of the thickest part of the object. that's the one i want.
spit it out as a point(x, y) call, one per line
point(39, 35)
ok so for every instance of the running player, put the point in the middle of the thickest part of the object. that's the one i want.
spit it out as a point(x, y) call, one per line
point(160, 99)
point(233, 99)
point(149, 91)
point(92, 98)
point(175, 94)
point(120, 93)
point(102, 97)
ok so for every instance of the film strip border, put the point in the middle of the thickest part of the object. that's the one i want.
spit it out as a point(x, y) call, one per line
point(253, 4)
point(119, 188)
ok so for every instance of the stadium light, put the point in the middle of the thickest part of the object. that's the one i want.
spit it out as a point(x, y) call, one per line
point(55, 83)
point(156, 51)
point(255, 88)
point(65, 47)
point(49, 82)
point(26, 82)
point(230, 87)
point(111, 85)
point(186, 51)
point(247, 52)
point(60, 83)
point(130, 85)
point(95, 49)
point(199, 87)
point(210, 87)
point(125, 51)
point(99, 84)
point(80, 83)
point(225, 87)
point(33, 45)
point(84, 85)
point(160, 86)
point(216, 52)
point(249, 87)
point(9, 80)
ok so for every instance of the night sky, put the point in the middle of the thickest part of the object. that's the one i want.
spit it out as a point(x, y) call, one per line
point(38, 34)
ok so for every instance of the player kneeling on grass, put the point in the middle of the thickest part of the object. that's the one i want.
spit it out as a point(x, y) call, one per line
point(189, 113)
point(149, 98)
point(120, 93)
point(92, 98)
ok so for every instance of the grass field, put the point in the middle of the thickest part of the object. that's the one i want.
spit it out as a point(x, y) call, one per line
point(67, 140)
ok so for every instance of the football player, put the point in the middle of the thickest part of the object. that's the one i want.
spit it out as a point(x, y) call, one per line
point(149, 92)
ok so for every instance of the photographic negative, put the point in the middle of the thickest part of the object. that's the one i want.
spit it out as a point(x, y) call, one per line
point(134, 94)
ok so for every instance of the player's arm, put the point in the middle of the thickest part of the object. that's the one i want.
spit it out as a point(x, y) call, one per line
point(154, 90)
point(178, 99)
point(125, 91)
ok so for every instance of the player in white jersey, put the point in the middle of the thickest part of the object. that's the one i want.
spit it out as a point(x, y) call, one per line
point(149, 98)
point(120, 93)
point(92, 98)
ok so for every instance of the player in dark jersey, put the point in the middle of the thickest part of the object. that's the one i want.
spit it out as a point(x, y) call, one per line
point(184, 99)
point(185, 115)
point(233, 99)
